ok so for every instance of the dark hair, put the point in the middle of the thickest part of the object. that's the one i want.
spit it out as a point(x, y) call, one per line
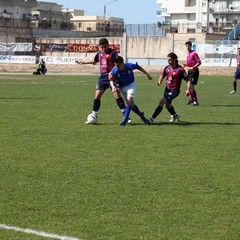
point(118, 59)
point(172, 55)
point(103, 41)
point(188, 43)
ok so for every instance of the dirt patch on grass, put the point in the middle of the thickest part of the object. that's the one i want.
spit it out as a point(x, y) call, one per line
point(94, 69)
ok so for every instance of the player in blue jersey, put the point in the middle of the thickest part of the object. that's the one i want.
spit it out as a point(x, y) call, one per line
point(123, 74)
point(105, 56)
point(236, 74)
point(174, 74)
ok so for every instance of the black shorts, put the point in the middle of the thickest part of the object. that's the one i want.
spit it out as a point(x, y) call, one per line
point(193, 76)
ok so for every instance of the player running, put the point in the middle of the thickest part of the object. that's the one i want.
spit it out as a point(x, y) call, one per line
point(105, 57)
point(174, 74)
point(123, 74)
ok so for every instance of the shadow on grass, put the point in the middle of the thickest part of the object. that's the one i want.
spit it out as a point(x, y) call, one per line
point(22, 98)
point(221, 105)
point(180, 123)
point(184, 123)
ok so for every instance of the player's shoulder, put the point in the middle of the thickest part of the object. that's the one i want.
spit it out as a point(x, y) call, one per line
point(114, 70)
point(180, 67)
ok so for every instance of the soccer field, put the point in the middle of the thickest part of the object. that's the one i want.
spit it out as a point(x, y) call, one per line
point(60, 177)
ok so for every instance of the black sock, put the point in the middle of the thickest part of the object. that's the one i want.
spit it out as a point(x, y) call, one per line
point(96, 105)
point(235, 86)
point(157, 112)
point(136, 110)
point(171, 110)
point(120, 103)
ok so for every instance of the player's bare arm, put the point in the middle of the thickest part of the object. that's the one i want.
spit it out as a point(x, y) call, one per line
point(145, 72)
point(112, 79)
point(90, 61)
point(160, 80)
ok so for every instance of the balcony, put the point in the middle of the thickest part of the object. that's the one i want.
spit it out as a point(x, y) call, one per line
point(191, 9)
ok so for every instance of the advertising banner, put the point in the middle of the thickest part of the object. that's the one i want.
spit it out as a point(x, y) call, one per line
point(73, 47)
point(62, 60)
point(17, 59)
point(216, 62)
point(16, 47)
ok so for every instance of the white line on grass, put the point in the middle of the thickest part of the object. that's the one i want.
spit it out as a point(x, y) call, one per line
point(31, 231)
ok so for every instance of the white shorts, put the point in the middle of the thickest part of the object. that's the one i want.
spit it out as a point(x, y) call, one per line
point(129, 90)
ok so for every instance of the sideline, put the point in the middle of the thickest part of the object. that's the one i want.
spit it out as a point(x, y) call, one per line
point(31, 231)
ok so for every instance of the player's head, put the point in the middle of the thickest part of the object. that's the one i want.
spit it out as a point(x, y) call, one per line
point(172, 59)
point(103, 44)
point(188, 45)
point(119, 62)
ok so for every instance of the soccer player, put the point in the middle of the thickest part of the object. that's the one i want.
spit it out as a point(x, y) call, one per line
point(174, 74)
point(123, 74)
point(193, 62)
point(105, 56)
point(236, 74)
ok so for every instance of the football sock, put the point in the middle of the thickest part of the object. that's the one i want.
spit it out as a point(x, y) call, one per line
point(157, 111)
point(96, 105)
point(95, 113)
point(171, 110)
point(195, 96)
point(120, 103)
point(136, 110)
point(127, 113)
point(235, 86)
point(192, 95)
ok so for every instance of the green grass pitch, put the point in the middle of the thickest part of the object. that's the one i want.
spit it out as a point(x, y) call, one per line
point(160, 182)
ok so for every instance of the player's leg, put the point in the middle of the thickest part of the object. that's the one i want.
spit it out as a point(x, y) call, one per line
point(236, 76)
point(193, 91)
point(128, 93)
point(100, 89)
point(193, 94)
point(158, 110)
point(127, 111)
point(120, 102)
point(174, 116)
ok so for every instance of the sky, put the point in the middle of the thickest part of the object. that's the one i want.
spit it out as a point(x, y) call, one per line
point(132, 11)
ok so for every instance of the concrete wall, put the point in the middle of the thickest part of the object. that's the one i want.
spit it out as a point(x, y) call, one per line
point(149, 48)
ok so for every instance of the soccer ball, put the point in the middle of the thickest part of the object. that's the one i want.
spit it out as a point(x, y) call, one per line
point(91, 119)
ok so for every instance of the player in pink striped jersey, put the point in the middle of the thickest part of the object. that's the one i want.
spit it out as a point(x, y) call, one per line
point(236, 74)
point(193, 62)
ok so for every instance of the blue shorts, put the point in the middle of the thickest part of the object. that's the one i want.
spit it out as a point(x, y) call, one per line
point(237, 74)
point(103, 82)
point(169, 94)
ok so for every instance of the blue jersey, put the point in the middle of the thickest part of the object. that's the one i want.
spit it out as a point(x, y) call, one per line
point(106, 61)
point(125, 77)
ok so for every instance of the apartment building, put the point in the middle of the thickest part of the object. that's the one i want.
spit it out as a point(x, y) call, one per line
point(49, 15)
point(199, 16)
point(16, 9)
point(112, 25)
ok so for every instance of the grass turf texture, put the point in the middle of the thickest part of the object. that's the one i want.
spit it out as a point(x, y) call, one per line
point(164, 181)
